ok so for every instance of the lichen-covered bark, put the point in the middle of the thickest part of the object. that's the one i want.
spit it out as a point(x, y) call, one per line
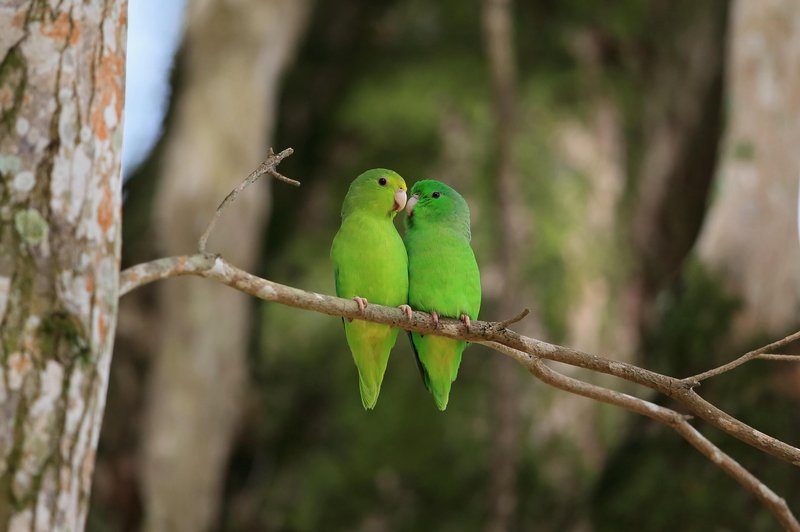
point(751, 235)
point(235, 54)
point(61, 95)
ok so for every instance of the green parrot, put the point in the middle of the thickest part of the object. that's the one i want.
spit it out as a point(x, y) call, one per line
point(370, 264)
point(443, 278)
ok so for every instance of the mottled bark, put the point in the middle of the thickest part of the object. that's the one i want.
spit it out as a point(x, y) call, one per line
point(235, 53)
point(61, 96)
point(750, 236)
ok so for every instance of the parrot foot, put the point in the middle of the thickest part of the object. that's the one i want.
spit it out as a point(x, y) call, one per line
point(435, 318)
point(362, 303)
point(407, 310)
point(464, 318)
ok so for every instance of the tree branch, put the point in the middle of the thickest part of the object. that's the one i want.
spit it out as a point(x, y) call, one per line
point(216, 268)
point(267, 167)
point(511, 321)
point(747, 357)
point(527, 351)
point(776, 504)
point(779, 357)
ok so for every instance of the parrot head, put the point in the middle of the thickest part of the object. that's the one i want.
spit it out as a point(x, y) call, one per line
point(434, 203)
point(378, 191)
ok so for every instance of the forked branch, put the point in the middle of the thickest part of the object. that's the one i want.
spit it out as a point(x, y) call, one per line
point(761, 352)
point(268, 167)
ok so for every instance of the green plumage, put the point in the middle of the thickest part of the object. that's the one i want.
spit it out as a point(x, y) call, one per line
point(370, 261)
point(443, 277)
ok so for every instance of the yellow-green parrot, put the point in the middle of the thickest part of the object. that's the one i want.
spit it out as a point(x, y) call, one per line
point(370, 265)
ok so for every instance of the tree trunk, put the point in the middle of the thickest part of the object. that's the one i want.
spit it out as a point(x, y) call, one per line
point(681, 129)
point(235, 55)
point(680, 124)
point(61, 96)
point(614, 280)
point(512, 244)
point(750, 236)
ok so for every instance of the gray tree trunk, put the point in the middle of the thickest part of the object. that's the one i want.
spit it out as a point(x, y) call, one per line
point(61, 95)
point(750, 237)
point(235, 55)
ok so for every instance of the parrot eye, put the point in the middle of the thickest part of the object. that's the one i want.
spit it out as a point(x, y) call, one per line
point(382, 181)
point(436, 195)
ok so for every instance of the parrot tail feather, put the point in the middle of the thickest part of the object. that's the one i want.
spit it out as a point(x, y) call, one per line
point(438, 360)
point(369, 394)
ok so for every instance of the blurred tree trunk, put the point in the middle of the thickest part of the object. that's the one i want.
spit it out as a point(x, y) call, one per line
point(511, 245)
point(680, 125)
point(750, 237)
point(235, 53)
point(681, 128)
point(599, 317)
point(61, 96)
point(600, 313)
point(616, 277)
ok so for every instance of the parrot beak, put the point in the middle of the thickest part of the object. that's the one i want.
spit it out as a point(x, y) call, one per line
point(399, 200)
point(410, 205)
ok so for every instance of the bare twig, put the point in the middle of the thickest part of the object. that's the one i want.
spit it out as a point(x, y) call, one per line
point(214, 267)
point(519, 317)
point(756, 353)
point(267, 167)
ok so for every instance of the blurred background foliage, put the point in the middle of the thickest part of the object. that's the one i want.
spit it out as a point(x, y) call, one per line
point(614, 101)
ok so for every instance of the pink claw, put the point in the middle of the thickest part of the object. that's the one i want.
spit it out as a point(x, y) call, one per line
point(466, 321)
point(435, 318)
point(407, 310)
point(362, 303)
